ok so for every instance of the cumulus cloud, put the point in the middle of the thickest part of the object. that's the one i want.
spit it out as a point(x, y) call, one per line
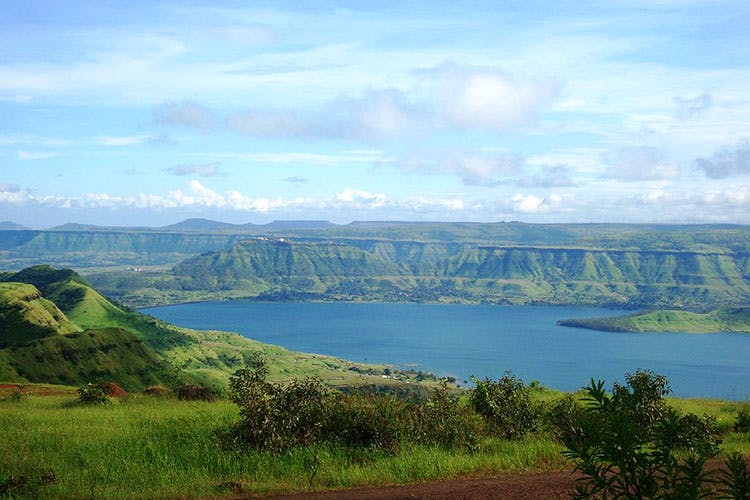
point(531, 204)
point(202, 170)
point(727, 162)
point(688, 108)
point(639, 163)
point(449, 97)
point(359, 199)
point(472, 167)
point(184, 114)
point(487, 98)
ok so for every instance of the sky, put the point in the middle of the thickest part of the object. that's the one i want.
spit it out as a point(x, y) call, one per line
point(149, 112)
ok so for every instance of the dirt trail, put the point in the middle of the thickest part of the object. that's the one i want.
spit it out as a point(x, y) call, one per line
point(538, 485)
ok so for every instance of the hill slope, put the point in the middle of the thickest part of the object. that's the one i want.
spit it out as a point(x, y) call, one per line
point(728, 319)
point(26, 316)
point(135, 350)
point(415, 271)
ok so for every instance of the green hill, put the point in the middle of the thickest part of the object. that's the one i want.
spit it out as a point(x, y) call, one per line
point(377, 270)
point(113, 354)
point(728, 319)
point(131, 348)
point(26, 316)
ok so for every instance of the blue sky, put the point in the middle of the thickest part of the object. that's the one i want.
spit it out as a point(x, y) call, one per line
point(146, 113)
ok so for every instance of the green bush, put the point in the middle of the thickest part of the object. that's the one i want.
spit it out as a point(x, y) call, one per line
point(734, 478)
point(630, 444)
point(563, 418)
point(96, 392)
point(369, 420)
point(506, 406)
point(276, 417)
point(194, 392)
point(444, 421)
point(742, 424)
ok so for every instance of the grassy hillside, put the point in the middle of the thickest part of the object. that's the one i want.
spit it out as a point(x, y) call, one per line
point(165, 351)
point(376, 270)
point(26, 316)
point(76, 358)
point(735, 319)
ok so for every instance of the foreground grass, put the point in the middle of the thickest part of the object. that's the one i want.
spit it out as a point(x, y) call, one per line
point(146, 447)
point(149, 447)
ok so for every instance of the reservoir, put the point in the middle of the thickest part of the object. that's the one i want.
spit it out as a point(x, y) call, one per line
point(484, 341)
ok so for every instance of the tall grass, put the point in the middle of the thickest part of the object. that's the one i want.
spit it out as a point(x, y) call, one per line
point(152, 447)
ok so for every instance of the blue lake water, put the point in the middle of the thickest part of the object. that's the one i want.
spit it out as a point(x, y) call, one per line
point(485, 341)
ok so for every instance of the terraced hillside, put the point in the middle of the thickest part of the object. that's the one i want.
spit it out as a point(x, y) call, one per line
point(377, 270)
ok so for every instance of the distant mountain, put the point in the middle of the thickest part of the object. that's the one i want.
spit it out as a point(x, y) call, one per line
point(297, 225)
point(387, 270)
point(75, 227)
point(198, 224)
point(11, 226)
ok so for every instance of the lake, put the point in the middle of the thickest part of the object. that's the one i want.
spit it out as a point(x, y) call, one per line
point(485, 341)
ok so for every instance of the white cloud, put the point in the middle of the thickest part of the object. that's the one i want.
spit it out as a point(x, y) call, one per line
point(114, 141)
point(358, 198)
point(36, 155)
point(203, 170)
point(531, 204)
point(488, 98)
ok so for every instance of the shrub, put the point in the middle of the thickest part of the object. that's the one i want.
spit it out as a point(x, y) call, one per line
point(506, 406)
point(194, 392)
point(369, 420)
point(742, 424)
point(632, 445)
point(734, 478)
point(115, 391)
point(444, 421)
point(96, 392)
point(157, 391)
point(273, 416)
point(563, 418)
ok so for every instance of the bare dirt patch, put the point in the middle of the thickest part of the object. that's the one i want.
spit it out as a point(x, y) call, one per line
point(537, 485)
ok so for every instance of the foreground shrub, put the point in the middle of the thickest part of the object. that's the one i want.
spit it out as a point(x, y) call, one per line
point(444, 421)
point(734, 478)
point(194, 392)
point(369, 420)
point(742, 424)
point(563, 418)
point(157, 391)
point(115, 391)
point(506, 406)
point(96, 392)
point(276, 417)
point(630, 444)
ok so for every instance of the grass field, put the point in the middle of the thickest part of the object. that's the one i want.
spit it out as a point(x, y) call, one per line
point(144, 446)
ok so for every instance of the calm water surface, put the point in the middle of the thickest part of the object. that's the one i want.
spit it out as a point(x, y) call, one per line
point(483, 340)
